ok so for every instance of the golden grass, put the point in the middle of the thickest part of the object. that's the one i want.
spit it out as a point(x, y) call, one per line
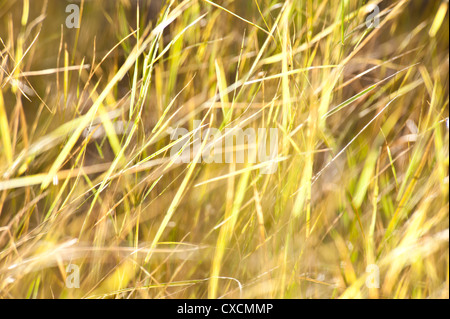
point(362, 167)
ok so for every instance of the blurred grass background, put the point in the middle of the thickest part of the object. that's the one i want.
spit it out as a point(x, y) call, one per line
point(86, 174)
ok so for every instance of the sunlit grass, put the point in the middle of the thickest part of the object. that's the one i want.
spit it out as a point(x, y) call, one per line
point(87, 177)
